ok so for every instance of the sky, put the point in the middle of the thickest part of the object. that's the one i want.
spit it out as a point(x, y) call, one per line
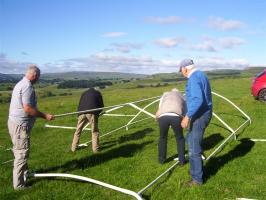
point(131, 36)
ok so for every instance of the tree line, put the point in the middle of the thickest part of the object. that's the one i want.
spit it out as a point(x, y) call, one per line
point(83, 84)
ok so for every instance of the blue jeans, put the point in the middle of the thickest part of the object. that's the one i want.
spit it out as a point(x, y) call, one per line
point(194, 140)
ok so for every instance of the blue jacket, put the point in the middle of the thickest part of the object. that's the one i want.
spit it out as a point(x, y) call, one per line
point(198, 95)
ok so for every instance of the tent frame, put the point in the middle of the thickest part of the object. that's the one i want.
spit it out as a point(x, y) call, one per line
point(138, 195)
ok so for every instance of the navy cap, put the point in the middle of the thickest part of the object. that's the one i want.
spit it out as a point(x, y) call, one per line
point(184, 63)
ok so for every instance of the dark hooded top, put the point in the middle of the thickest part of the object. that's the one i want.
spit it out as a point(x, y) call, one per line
point(91, 99)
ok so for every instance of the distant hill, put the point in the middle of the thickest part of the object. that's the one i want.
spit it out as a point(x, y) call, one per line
point(91, 75)
point(165, 77)
point(254, 70)
point(9, 78)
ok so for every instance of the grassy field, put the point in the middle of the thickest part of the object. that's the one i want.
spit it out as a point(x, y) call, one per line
point(128, 159)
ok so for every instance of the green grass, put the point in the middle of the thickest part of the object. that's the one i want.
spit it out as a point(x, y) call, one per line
point(129, 158)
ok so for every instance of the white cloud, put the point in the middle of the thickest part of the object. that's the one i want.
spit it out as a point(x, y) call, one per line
point(212, 63)
point(11, 66)
point(224, 25)
point(126, 47)
point(114, 34)
point(127, 64)
point(169, 42)
point(217, 44)
point(231, 42)
point(163, 20)
point(204, 47)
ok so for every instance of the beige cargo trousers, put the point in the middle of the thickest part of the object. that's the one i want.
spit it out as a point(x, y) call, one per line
point(20, 136)
point(83, 119)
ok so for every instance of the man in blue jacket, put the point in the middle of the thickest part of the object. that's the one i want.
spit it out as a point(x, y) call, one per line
point(199, 114)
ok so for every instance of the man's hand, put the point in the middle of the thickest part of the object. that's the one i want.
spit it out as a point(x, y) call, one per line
point(49, 117)
point(185, 122)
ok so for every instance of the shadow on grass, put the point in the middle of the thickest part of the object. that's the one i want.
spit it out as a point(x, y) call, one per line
point(220, 126)
point(230, 114)
point(158, 185)
point(127, 150)
point(216, 163)
point(212, 140)
point(134, 136)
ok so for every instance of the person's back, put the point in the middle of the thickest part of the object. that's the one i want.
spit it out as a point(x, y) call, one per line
point(172, 107)
point(198, 86)
point(172, 102)
point(91, 99)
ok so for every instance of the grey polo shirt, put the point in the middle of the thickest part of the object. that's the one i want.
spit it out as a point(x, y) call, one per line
point(23, 93)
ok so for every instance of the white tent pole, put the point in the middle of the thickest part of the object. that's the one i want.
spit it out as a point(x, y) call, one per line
point(86, 144)
point(258, 140)
point(85, 111)
point(146, 112)
point(155, 180)
point(233, 105)
point(64, 127)
point(112, 109)
point(223, 143)
point(227, 126)
point(141, 111)
point(118, 115)
point(90, 180)
point(7, 161)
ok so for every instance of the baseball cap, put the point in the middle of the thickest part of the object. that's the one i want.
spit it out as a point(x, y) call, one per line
point(184, 63)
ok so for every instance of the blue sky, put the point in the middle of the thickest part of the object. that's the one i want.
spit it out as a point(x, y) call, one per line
point(135, 36)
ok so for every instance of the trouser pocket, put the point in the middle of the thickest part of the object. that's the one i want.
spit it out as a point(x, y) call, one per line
point(22, 138)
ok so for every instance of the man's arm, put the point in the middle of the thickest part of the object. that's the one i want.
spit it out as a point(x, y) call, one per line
point(36, 113)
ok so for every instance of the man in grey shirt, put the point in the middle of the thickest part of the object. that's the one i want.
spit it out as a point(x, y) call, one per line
point(172, 108)
point(22, 113)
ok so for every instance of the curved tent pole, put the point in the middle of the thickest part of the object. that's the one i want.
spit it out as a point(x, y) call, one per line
point(233, 132)
point(233, 105)
point(90, 180)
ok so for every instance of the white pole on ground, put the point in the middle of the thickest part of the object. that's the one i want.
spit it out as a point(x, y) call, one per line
point(258, 140)
point(247, 117)
point(112, 109)
point(112, 131)
point(223, 143)
point(90, 180)
point(155, 180)
point(141, 111)
point(118, 115)
point(7, 161)
point(64, 127)
point(223, 122)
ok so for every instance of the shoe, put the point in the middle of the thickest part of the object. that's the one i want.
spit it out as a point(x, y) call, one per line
point(95, 151)
point(73, 149)
point(181, 164)
point(161, 160)
point(192, 183)
point(22, 188)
